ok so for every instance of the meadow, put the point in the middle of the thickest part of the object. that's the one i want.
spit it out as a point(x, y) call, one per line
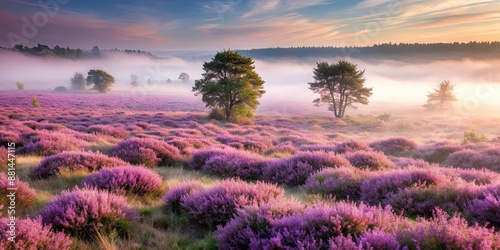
point(111, 172)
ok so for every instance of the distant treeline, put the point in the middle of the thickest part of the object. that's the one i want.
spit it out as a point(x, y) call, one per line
point(475, 50)
point(67, 53)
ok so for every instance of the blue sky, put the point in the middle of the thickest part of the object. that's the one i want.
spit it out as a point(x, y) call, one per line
point(214, 25)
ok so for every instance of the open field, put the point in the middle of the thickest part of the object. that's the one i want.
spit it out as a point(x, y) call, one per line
point(385, 179)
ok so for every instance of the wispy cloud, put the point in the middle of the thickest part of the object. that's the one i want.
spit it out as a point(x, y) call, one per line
point(279, 6)
point(460, 20)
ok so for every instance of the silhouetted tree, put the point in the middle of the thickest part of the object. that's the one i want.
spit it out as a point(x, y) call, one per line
point(339, 85)
point(78, 81)
point(442, 96)
point(95, 52)
point(101, 80)
point(230, 84)
point(134, 80)
point(184, 77)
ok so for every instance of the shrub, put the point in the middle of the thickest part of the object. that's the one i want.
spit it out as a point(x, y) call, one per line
point(60, 89)
point(394, 146)
point(410, 162)
point(217, 205)
point(200, 157)
point(325, 148)
point(174, 195)
point(370, 160)
point(35, 103)
point(350, 146)
point(445, 232)
point(114, 131)
point(295, 169)
point(253, 222)
point(7, 137)
point(4, 157)
point(234, 163)
point(487, 158)
point(20, 85)
point(145, 151)
point(31, 234)
point(437, 152)
point(375, 239)
point(217, 114)
point(479, 177)
point(473, 136)
point(73, 161)
point(47, 143)
point(343, 183)
point(378, 187)
point(24, 195)
point(128, 180)
point(81, 212)
point(485, 210)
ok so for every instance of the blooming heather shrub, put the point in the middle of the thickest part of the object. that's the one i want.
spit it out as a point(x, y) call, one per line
point(253, 222)
point(437, 152)
point(445, 232)
point(51, 126)
point(114, 131)
point(174, 195)
point(350, 146)
point(4, 157)
point(485, 210)
point(394, 145)
point(73, 161)
point(25, 195)
point(31, 234)
point(235, 163)
point(46, 143)
point(80, 211)
point(200, 157)
point(315, 227)
point(294, 170)
point(375, 239)
point(410, 162)
point(134, 180)
point(7, 137)
point(370, 160)
point(477, 176)
point(378, 187)
point(149, 152)
point(217, 205)
point(487, 158)
point(343, 183)
point(325, 148)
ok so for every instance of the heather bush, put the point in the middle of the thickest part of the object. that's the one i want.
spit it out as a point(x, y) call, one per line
point(254, 222)
point(350, 146)
point(394, 146)
point(31, 234)
point(7, 137)
point(4, 157)
point(485, 209)
point(445, 232)
point(375, 239)
point(50, 143)
point(145, 151)
point(129, 180)
point(200, 157)
point(343, 183)
point(114, 131)
point(488, 158)
point(294, 170)
point(175, 194)
point(379, 186)
point(81, 212)
point(437, 152)
point(235, 163)
point(477, 176)
point(410, 162)
point(369, 160)
point(24, 195)
point(325, 148)
point(217, 205)
point(73, 161)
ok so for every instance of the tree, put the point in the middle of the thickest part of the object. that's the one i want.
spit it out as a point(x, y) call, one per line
point(184, 77)
point(78, 81)
point(101, 79)
point(20, 85)
point(339, 85)
point(230, 84)
point(95, 52)
point(134, 80)
point(442, 96)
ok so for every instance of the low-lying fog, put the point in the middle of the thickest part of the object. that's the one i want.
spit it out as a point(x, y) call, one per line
point(396, 84)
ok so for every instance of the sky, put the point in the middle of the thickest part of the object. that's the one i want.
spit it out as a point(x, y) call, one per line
point(242, 24)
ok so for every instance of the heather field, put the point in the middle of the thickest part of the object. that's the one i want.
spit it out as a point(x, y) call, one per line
point(154, 172)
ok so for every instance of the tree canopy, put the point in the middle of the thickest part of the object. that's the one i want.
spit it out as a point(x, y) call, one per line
point(442, 96)
point(101, 80)
point(78, 81)
point(339, 85)
point(230, 84)
point(184, 77)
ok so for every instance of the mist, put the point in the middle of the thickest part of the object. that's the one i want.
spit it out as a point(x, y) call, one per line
point(395, 83)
